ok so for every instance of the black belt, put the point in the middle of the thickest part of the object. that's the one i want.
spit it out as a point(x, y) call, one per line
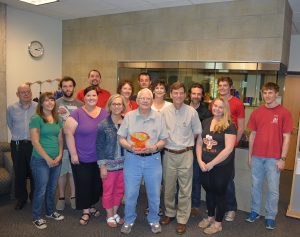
point(180, 151)
point(143, 154)
point(21, 142)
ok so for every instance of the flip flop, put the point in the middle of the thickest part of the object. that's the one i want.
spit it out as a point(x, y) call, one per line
point(83, 221)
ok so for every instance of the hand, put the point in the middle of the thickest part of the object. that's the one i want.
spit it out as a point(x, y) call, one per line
point(103, 172)
point(249, 161)
point(50, 162)
point(209, 166)
point(75, 160)
point(203, 166)
point(150, 149)
point(280, 165)
point(57, 160)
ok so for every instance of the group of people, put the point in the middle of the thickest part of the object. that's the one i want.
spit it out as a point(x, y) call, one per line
point(107, 145)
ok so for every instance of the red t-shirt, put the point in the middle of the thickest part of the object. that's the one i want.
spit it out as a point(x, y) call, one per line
point(269, 125)
point(103, 96)
point(237, 110)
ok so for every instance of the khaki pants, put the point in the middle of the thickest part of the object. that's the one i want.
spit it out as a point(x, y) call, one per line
point(178, 167)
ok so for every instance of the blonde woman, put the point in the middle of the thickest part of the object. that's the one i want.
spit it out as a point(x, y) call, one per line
point(215, 154)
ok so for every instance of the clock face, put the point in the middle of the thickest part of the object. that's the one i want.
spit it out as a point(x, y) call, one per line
point(36, 49)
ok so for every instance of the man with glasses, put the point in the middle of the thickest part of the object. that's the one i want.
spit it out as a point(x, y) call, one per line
point(183, 125)
point(18, 116)
point(143, 134)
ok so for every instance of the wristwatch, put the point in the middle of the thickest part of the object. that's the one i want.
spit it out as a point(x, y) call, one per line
point(283, 158)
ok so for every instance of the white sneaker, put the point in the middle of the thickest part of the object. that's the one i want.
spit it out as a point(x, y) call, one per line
point(229, 216)
point(40, 224)
point(56, 216)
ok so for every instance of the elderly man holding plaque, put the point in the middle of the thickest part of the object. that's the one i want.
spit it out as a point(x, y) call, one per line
point(143, 134)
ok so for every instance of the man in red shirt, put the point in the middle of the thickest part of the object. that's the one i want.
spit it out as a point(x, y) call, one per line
point(237, 111)
point(94, 79)
point(271, 126)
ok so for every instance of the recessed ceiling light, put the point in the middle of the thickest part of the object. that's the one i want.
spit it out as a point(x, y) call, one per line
point(39, 2)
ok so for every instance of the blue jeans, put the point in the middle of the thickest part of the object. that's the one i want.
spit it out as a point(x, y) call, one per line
point(45, 180)
point(136, 168)
point(230, 196)
point(261, 168)
point(196, 188)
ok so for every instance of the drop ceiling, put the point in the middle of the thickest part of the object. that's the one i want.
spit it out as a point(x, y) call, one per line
point(72, 9)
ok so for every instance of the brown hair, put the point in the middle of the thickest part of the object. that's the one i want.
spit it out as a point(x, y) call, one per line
point(39, 108)
point(123, 83)
point(144, 74)
point(66, 78)
point(228, 79)
point(196, 85)
point(270, 86)
point(177, 85)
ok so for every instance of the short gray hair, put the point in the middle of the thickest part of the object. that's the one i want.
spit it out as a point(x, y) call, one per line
point(145, 90)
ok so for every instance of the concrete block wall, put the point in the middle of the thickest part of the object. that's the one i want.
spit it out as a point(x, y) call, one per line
point(243, 30)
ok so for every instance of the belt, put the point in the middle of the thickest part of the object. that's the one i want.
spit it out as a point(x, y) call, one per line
point(143, 154)
point(20, 142)
point(180, 151)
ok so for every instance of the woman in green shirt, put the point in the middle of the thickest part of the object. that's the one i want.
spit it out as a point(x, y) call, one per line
point(46, 137)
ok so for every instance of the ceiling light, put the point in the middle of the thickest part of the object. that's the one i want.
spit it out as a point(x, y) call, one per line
point(39, 2)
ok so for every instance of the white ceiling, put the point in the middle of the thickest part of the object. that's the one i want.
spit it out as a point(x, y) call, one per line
point(72, 9)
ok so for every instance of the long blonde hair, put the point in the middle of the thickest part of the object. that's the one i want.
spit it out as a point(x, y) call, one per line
point(225, 121)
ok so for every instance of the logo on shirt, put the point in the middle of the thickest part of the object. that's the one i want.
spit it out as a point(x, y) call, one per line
point(275, 119)
point(209, 142)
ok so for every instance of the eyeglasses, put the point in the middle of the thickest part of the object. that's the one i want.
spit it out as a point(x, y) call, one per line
point(145, 99)
point(116, 104)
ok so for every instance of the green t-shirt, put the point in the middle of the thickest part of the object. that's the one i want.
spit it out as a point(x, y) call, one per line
point(48, 136)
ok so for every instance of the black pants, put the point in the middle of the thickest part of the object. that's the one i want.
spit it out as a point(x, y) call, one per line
point(88, 186)
point(21, 156)
point(215, 183)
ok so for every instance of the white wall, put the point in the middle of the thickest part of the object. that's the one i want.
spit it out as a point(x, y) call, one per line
point(294, 61)
point(22, 28)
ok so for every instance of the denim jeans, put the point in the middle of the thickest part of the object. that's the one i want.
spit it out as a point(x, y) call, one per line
point(196, 189)
point(45, 180)
point(261, 168)
point(135, 168)
point(230, 196)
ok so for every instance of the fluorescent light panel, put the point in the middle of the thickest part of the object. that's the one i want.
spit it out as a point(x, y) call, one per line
point(39, 2)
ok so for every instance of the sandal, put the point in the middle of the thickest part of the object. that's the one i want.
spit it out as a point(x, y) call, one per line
point(111, 222)
point(118, 219)
point(94, 212)
point(83, 221)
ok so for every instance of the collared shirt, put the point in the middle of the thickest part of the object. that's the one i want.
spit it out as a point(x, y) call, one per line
point(182, 125)
point(18, 118)
point(140, 130)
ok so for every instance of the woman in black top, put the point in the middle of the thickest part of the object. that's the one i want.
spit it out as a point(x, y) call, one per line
point(215, 156)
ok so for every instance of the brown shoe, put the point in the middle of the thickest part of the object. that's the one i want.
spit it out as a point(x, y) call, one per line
point(166, 220)
point(180, 229)
point(194, 211)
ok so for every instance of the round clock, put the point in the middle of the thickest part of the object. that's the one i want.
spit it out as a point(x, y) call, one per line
point(36, 49)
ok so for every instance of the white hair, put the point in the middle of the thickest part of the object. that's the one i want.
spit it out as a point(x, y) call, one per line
point(144, 91)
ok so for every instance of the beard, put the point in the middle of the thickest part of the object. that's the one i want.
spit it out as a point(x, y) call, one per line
point(68, 94)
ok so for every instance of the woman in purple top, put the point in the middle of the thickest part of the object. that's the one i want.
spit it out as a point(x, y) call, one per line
point(81, 131)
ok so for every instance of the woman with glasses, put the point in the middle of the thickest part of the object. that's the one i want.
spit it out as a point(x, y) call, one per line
point(110, 157)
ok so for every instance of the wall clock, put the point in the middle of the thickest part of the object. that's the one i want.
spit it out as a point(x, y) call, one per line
point(36, 49)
